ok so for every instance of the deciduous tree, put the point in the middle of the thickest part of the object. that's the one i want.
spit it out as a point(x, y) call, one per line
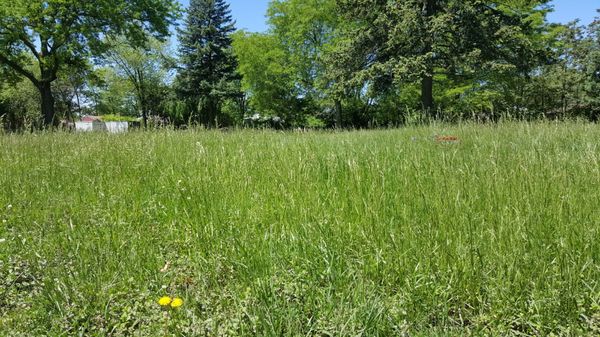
point(64, 33)
point(413, 40)
point(145, 69)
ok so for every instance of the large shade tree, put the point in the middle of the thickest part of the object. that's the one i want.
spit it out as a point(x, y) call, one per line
point(64, 33)
point(268, 75)
point(283, 68)
point(414, 40)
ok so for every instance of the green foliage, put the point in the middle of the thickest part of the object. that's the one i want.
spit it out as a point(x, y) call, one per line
point(113, 94)
point(591, 66)
point(345, 63)
point(19, 105)
point(387, 44)
point(59, 33)
point(304, 28)
point(20, 101)
point(118, 118)
point(567, 85)
point(145, 70)
point(208, 75)
point(267, 75)
point(362, 69)
point(283, 69)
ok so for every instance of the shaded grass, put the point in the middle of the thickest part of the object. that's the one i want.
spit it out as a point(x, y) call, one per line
point(350, 233)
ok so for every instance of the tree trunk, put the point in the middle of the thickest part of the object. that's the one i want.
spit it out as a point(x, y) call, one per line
point(145, 118)
point(427, 93)
point(48, 111)
point(212, 114)
point(429, 10)
point(338, 113)
point(141, 89)
point(242, 102)
point(144, 109)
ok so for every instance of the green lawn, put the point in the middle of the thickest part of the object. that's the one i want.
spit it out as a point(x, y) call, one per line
point(373, 233)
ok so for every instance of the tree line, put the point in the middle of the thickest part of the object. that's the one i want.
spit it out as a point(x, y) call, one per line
point(321, 63)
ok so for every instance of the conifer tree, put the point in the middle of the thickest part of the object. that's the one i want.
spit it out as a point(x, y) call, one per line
point(207, 75)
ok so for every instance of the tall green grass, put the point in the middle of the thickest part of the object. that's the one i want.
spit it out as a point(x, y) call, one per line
point(373, 233)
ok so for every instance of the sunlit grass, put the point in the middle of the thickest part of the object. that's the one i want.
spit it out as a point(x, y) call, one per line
point(267, 233)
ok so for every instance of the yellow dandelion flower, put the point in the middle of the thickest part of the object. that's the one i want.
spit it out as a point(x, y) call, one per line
point(177, 302)
point(164, 301)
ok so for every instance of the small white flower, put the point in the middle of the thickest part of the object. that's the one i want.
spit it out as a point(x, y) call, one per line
point(9, 206)
point(2, 240)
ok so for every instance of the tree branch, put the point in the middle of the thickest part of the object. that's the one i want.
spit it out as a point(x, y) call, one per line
point(19, 69)
point(122, 63)
point(29, 45)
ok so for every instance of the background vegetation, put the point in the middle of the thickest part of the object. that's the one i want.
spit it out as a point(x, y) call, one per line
point(322, 63)
point(450, 227)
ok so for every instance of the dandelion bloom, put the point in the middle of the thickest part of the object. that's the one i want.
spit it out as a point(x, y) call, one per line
point(164, 301)
point(177, 302)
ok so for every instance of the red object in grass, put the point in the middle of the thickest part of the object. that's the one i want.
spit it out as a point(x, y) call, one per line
point(446, 139)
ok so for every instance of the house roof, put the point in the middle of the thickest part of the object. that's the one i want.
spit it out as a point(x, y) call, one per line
point(91, 119)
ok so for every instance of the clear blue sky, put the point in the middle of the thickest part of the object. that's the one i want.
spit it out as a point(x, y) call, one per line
point(250, 14)
point(569, 10)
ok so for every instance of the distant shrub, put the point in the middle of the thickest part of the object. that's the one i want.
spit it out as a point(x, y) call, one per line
point(118, 118)
point(315, 123)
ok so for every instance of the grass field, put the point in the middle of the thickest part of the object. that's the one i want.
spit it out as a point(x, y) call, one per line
point(372, 233)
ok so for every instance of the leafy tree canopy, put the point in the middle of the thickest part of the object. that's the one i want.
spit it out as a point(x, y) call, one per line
point(64, 33)
point(412, 40)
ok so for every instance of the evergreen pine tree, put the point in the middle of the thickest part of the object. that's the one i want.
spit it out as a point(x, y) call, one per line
point(208, 73)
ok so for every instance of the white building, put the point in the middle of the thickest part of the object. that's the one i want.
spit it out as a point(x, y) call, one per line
point(93, 123)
